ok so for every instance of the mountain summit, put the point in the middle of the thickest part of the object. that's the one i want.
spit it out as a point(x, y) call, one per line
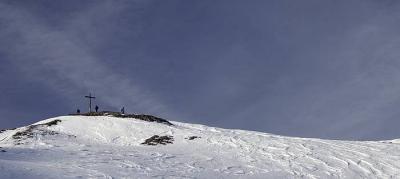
point(110, 146)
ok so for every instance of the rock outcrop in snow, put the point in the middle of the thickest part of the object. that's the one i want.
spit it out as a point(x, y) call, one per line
point(103, 146)
point(155, 140)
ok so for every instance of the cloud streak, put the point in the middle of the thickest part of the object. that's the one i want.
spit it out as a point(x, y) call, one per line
point(59, 60)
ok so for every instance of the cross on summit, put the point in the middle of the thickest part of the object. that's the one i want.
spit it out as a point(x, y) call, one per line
point(90, 97)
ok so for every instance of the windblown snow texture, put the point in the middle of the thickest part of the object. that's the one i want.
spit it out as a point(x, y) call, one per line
point(111, 147)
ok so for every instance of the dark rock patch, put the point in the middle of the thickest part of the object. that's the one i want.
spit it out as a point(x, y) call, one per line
point(155, 140)
point(23, 134)
point(33, 130)
point(51, 123)
point(148, 118)
point(192, 137)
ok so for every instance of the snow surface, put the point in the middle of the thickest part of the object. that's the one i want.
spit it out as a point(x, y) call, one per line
point(109, 147)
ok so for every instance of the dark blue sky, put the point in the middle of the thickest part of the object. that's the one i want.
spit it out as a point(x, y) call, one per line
point(326, 69)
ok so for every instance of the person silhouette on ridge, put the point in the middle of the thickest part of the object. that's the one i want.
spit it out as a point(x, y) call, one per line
point(96, 108)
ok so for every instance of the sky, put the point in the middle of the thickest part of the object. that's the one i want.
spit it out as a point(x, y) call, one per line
point(322, 69)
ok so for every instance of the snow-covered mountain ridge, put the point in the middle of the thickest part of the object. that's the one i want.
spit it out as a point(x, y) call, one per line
point(111, 147)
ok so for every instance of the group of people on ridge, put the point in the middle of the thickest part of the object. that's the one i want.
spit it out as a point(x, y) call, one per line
point(78, 111)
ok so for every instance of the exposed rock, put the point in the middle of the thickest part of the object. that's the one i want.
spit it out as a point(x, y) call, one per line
point(192, 137)
point(155, 140)
point(33, 130)
point(149, 118)
point(51, 123)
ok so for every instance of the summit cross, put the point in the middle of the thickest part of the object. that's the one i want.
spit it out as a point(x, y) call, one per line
point(90, 101)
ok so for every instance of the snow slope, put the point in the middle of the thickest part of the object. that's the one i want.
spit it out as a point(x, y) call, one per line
point(110, 147)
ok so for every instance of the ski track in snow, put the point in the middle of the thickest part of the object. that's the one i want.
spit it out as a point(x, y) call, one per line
point(108, 147)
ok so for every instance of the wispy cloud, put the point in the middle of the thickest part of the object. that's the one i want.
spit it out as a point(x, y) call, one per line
point(58, 59)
